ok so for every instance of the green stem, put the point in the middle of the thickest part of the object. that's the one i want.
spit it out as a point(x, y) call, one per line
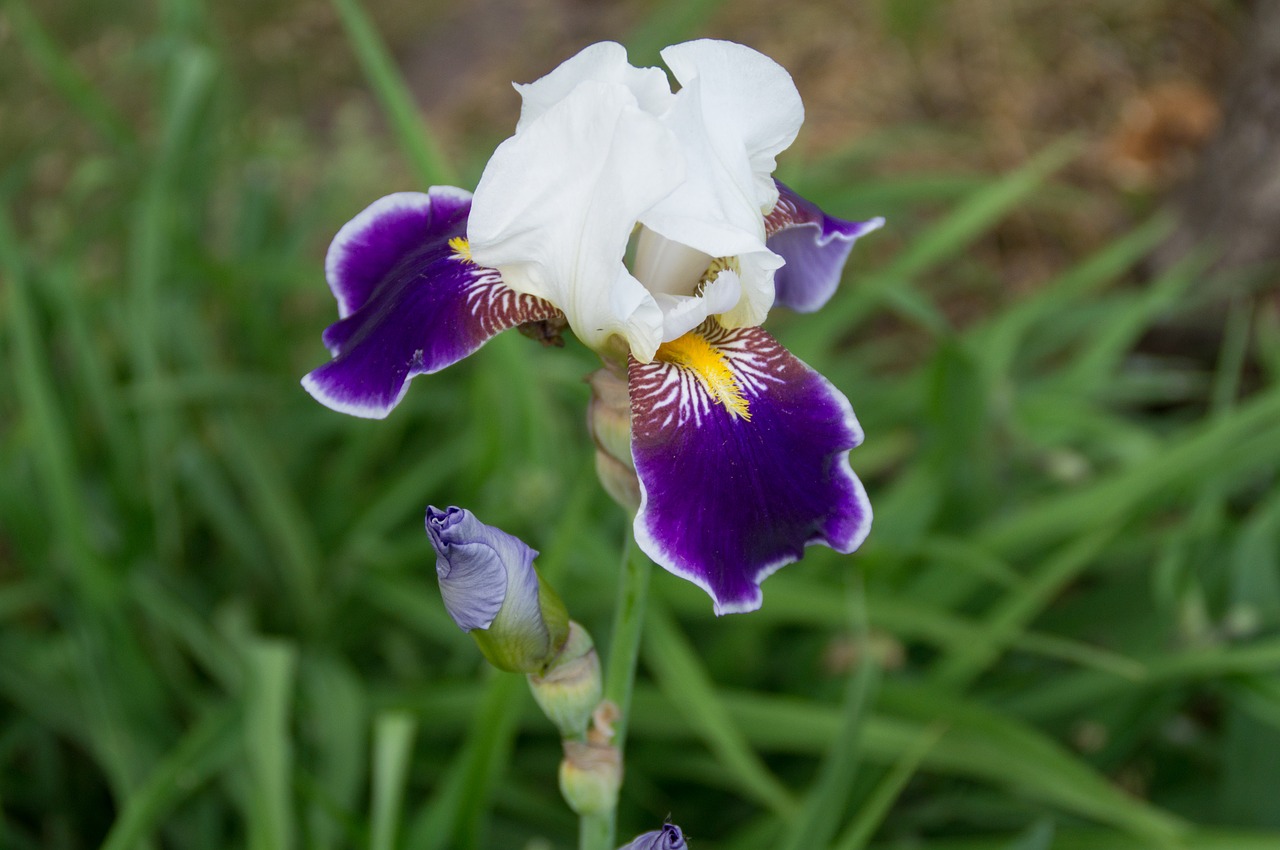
point(597, 832)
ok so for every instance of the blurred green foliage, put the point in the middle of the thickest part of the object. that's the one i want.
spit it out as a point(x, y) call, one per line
point(220, 624)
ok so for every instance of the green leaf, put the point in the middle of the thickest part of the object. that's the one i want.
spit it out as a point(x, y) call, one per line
point(681, 676)
point(268, 744)
point(393, 746)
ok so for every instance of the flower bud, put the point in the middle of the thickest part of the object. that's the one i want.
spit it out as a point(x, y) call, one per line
point(571, 687)
point(667, 838)
point(491, 589)
point(609, 418)
point(590, 776)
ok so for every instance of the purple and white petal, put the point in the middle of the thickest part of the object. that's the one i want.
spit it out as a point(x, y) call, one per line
point(742, 454)
point(815, 246)
point(410, 302)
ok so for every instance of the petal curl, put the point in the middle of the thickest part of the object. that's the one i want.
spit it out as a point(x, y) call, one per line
point(410, 302)
point(815, 246)
point(742, 454)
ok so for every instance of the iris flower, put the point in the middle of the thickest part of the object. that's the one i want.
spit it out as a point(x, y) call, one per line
point(740, 449)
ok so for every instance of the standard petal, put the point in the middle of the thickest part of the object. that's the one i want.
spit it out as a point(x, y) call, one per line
point(557, 203)
point(815, 246)
point(736, 110)
point(410, 301)
point(748, 100)
point(742, 455)
point(605, 62)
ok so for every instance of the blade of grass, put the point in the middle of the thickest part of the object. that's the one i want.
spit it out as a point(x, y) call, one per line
point(183, 625)
point(393, 745)
point(1039, 836)
point(1259, 696)
point(452, 819)
point(1232, 359)
point(1012, 746)
point(979, 744)
point(1248, 438)
point(979, 213)
point(208, 747)
point(819, 818)
point(680, 675)
point(997, 339)
point(268, 750)
point(334, 721)
point(1110, 341)
point(66, 78)
point(190, 82)
point(252, 460)
point(48, 430)
point(873, 810)
point(96, 384)
point(412, 132)
point(893, 286)
point(1083, 839)
point(1073, 692)
point(960, 664)
point(794, 601)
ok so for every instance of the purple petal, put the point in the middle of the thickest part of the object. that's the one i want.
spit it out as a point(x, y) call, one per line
point(410, 303)
point(742, 455)
point(667, 838)
point(815, 246)
point(477, 565)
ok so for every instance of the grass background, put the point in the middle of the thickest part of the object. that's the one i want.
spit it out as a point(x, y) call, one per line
point(220, 624)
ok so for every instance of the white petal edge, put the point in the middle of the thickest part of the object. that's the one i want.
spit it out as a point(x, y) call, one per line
point(362, 411)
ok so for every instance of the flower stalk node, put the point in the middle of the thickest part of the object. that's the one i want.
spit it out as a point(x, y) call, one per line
point(570, 688)
point(591, 772)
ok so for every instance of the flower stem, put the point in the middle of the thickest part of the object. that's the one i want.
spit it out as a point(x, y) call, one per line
point(597, 832)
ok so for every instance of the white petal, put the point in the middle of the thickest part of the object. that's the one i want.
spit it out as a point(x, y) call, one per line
point(683, 313)
point(756, 269)
point(605, 62)
point(747, 99)
point(557, 202)
point(664, 265)
point(736, 110)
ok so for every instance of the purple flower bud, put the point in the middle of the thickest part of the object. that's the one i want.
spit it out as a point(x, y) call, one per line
point(667, 838)
point(491, 589)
